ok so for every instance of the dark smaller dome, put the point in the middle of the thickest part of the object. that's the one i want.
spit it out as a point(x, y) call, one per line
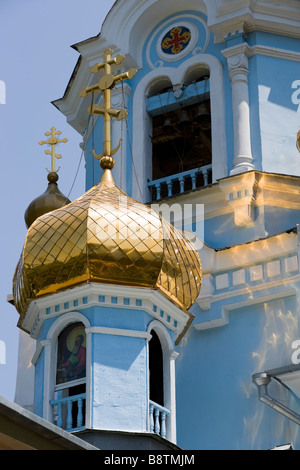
point(50, 200)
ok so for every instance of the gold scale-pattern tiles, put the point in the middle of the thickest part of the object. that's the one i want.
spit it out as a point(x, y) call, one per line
point(105, 236)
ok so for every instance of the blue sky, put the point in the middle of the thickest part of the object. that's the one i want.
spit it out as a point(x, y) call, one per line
point(36, 63)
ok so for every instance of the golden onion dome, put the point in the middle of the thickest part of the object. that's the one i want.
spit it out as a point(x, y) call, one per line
point(106, 237)
point(50, 200)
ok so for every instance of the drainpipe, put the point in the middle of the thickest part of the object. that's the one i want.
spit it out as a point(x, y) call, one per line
point(262, 380)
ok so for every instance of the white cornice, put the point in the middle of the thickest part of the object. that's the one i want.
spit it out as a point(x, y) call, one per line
point(243, 275)
point(122, 297)
point(250, 15)
point(267, 51)
point(247, 254)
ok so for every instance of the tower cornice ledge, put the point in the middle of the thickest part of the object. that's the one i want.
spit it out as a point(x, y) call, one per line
point(104, 295)
point(246, 15)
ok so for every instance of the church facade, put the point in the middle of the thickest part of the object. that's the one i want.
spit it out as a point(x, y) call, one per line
point(193, 342)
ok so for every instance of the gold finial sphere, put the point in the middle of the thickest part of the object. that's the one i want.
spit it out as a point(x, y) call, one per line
point(298, 141)
point(107, 162)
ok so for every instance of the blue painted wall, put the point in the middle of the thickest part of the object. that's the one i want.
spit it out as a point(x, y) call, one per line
point(217, 404)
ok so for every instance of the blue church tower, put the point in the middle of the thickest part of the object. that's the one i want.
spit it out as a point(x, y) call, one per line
point(104, 285)
point(205, 138)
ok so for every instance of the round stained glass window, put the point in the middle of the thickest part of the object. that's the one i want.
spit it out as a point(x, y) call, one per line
point(176, 40)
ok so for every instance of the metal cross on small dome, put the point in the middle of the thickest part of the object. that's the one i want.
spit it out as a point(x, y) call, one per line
point(53, 141)
point(105, 84)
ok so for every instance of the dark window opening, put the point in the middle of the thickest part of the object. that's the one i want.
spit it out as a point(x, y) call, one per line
point(181, 140)
point(77, 390)
point(156, 370)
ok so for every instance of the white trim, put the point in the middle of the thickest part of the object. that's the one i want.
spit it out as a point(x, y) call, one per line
point(275, 52)
point(258, 49)
point(118, 332)
point(87, 295)
point(263, 295)
point(42, 344)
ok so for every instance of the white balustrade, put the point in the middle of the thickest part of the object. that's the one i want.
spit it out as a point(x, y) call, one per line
point(66, 405)
point(157, 418)
point(182, 179)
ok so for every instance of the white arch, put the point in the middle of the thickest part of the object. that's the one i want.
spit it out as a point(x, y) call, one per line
point(129, 23)
point(50, 358)
point(169, 356)
point(141, 121)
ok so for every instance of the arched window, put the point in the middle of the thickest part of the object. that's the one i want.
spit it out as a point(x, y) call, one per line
point(71, 354)
point(162, 406)
point(70, 384)
point(197, 81)
point(156, 370)
point(181, 138)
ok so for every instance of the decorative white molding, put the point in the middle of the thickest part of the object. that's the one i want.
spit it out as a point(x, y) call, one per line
point(106, 295)
point(118, 332)
point(38, 351)
point(256, 273)
point(275, 52)
point(237, 60)
point(229, 17)
point(291, 264)
point(250, 295)
point(222, 281)
point(239, 277)
point(274, 268)
point(250, 271)
point(205, 297)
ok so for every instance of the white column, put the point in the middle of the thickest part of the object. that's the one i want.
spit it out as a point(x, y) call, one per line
point(171, 430)
point(237, 60)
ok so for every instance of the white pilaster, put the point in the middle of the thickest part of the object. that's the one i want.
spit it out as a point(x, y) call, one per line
point(237, 60)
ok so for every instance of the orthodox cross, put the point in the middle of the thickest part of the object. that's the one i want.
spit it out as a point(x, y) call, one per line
point(105, 84)
point(177, 40)
point(53, 141)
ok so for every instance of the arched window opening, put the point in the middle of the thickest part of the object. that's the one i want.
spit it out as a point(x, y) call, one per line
point(156, 370)
point(181, 139)
point(70, 389)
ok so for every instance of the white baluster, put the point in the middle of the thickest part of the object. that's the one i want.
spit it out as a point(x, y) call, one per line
point(59, 416)
point(69, 415)
point(79, 414)
point(205, 177)
point(163, 424)
point(157, 186)
point(156, 424)
point(193, 176)
point(151, 417)
point(169, 183)
point(181, 182)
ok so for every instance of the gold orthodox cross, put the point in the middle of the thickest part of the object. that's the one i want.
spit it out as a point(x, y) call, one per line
point(53, 141)
point(105, 84)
